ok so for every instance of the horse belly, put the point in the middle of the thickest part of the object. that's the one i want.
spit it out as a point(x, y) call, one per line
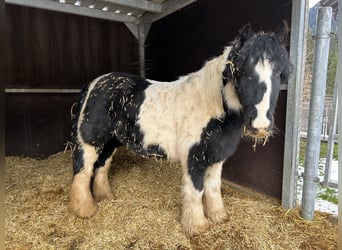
point(159, 135)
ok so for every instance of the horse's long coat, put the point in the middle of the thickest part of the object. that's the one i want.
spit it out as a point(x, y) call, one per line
point(196, 120)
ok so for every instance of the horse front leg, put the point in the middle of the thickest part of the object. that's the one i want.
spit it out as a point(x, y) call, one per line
point(193, 218)
point(214, 208)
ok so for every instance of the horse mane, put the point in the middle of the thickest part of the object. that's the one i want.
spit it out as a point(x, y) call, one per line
point(258, 45)
point(209, 80)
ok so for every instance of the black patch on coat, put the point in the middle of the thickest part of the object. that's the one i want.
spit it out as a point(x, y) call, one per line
point(107, 151)
point(110, 115)
point(219, 141)
point(75, 113)
point(78, 162)
point(155, 150)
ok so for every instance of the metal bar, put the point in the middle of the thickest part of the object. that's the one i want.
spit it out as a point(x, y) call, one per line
point(331, 140)
point(332, 184)
point(72, 9)
point(339, 80)
point(316, 112)
point(42, 91)
point(294, 99)
point(141, 44)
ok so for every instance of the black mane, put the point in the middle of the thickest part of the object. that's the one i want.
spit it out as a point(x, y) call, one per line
point(256, 47)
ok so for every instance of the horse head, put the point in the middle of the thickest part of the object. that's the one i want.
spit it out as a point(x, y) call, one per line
point(256, 66)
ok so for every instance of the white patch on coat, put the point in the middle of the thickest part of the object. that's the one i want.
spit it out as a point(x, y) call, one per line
point(231, 98)
point(101, 183)
point(81, 200)
point(264, 70)
point(193, 218)
point(214, 207)
point(174, 114)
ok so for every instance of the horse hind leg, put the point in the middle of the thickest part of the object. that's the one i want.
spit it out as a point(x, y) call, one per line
point(101, 186)
point(81, 199)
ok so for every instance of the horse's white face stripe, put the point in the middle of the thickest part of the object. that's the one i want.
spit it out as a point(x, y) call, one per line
point(264, 70)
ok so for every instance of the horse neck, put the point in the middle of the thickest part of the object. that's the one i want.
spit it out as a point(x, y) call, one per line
point(209, 77)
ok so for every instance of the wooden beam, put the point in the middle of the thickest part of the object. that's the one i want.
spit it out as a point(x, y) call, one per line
point(168, 7)
point(141, 5)
point(72, 9)
point(87, 3)
point(42, 91)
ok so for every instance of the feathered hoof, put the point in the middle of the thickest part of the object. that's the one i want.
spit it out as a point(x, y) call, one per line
point(102, 190)
point(196, 227)
point(217, 216)
point(82, 203)
point(84, 209)
point(103, 196)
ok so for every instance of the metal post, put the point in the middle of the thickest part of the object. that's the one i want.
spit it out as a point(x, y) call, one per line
point(294, 99)
point(140, 31)
point(316, 112)
point(141, 42)
point(331, 139)
point(339, 80)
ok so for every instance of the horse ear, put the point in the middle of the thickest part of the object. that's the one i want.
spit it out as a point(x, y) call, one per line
point(282, 32)
point(246, 32)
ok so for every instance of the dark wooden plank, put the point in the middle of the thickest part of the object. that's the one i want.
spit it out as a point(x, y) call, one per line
point(261, 169)
point(45, 49)
point(51, 49)
point(37, 125)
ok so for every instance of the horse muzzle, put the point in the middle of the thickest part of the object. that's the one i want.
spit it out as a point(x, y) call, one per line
point(259, 133)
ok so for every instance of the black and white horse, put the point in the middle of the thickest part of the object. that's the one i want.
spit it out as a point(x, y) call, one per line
point(196, 120)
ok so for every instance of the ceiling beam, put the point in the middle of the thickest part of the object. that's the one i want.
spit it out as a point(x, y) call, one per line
point(141, 5)
point(167, 8)
point(72, 9)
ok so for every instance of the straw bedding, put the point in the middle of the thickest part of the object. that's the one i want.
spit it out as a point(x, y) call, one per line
point(145, 213)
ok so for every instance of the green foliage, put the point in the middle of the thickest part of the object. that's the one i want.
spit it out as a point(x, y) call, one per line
point(332, 63)
point(332, 66)
point(328, 194)
point(310, 48)
point(323, 150)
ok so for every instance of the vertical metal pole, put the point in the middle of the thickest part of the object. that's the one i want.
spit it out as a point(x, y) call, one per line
point(141, 42)
point(294, 99)
point(331, 139)
point(339, 80)
point(316, 111)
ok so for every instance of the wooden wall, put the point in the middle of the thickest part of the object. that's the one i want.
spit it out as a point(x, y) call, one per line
point(45, 49)
point(182, 42)
point(53, 50)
